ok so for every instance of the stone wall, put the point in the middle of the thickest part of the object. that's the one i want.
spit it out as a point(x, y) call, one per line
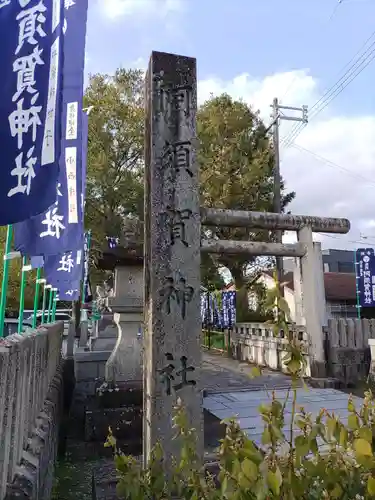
point(256, 343)
point(30, 404)
point(347, 349)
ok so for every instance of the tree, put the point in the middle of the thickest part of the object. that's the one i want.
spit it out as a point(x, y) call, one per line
point(210, 275)
point(14, 282)
point(115, 154)
point(236, 165)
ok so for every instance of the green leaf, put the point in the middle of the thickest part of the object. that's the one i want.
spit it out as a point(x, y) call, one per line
point(255, 372)
point(343, 439)
point(362, 447)
point(371, 486)
point(336, 493)
point(224, 485)
point(274, 480)
point(294, 366)
point(302, 446)
point(366, 434)
point(351, 406)
point(249, 469)
point(266, 436)
point(353, 422)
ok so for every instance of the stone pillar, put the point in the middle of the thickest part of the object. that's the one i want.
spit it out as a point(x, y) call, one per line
point(320, 287)
point(125, 363)
point(84, 330)
point(172, 254)
point(71, 339)
point(311, 304)
point(298, 293)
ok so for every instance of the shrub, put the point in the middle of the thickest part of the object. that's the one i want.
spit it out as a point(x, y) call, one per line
point(318, 458)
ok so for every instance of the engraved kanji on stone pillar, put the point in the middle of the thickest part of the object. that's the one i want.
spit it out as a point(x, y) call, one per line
point(172, 351)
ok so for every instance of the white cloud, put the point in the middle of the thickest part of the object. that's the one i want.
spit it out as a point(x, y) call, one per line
point(323, 189)
point(116, 9)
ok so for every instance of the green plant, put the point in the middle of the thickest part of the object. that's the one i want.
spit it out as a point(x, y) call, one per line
point(318, 458)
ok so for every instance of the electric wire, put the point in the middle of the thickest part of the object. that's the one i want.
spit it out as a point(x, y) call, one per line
point(355, 67)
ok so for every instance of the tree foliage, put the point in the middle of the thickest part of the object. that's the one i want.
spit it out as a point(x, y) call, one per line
point(236, 165)
point(14, 283)
point(115, 154)
point(235, 159)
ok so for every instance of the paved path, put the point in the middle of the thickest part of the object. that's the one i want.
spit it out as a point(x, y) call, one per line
point(244, 405)
point(222, 374)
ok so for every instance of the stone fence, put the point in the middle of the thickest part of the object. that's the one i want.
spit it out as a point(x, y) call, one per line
point(346, 343)
point(30, 404)
point(256, 343)
point(347, 349)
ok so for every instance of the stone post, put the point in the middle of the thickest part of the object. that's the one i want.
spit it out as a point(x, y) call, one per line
point(71, 339)
point(311, 303)
point(172, 254)
point(124, 365)
point(320, 287)
point(298, 293)
point(84, 333)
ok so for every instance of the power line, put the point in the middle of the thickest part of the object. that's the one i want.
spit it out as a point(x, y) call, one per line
point(335, 9)
point(294, 79)
point(359, 64)
point(360, 242)
point(340, 86)
point(332, 164)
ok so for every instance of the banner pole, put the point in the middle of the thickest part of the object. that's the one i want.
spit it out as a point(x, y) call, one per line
point(36, 295)
point(54, 305)
point(85, 274)
point(356, 286)
point(4, 284)
point(22, 295)
point(44, 303)
point(84, 316)
point(49, 305)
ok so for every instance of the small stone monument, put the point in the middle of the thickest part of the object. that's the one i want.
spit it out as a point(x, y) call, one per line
point(172, 343)
point(125, 363)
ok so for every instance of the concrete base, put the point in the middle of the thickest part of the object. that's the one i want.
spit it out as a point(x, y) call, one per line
point(89, 368)
point(126, 420)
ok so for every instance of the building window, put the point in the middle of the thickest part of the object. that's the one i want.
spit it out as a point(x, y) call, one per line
point(345, 267)
point(342, 309)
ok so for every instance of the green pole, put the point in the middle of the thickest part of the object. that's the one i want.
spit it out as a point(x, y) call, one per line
point(22, 294)
point(49, 304)
point(36, 296)
point(4, 284)
point(54, 305)
point(44, 302)
point(84, 270)
point(356, 287)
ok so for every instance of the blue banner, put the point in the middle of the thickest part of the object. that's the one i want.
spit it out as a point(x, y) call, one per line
point(365, 276)
point(63, 268)
point(60, 228)
point(229, 309)
point(204, 307)
point(31, 60)
point(37, 262)
point(68, 291)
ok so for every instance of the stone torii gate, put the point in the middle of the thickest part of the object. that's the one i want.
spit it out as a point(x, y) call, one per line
point(172, 249)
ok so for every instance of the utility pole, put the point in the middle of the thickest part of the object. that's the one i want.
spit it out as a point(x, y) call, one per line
point(278, 115)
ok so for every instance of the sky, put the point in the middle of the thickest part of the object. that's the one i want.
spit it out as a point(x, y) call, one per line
point(257, 50)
